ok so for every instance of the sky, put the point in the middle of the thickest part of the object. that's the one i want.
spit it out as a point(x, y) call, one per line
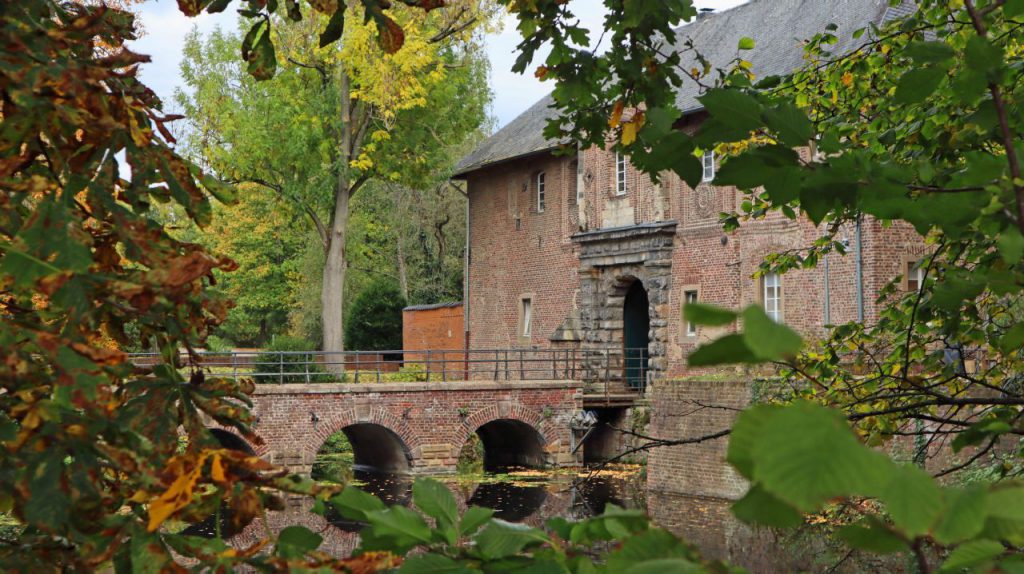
point(165, 30)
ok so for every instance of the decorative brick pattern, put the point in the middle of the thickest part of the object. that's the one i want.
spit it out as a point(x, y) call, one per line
point(432, 420)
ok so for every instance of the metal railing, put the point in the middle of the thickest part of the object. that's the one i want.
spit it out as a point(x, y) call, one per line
point(617, 370)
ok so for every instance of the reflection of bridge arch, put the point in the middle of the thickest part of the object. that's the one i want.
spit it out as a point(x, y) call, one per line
point(513, 436)
point(381, 442)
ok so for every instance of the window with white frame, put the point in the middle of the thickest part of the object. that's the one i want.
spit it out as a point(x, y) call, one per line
point(771, 295)
point(540, 192)
point(579, 181)
point(527, 316)
point(709, 166)
point(690, 297)
point(620, 174)
point(915, 276)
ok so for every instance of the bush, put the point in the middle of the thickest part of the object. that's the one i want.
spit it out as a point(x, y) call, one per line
point(290, 368)
point(374, 323)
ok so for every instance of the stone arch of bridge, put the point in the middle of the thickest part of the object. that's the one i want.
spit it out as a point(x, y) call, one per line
point(511, 435)
point(380, 440)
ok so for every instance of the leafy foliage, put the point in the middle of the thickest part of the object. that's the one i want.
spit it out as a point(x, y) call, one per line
point(290, 359)
point(374, 322)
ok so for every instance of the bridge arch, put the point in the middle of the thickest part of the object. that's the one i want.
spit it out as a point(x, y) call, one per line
point(512, 436)
point(381, 442)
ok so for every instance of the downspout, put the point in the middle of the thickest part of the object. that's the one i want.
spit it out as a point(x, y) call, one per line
point(466, 260)
point(827, 315)
point(860, 272)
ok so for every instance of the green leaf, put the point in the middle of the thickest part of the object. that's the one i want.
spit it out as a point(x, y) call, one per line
point(1006, 503)
point(148, 553)
point(354, 504)
point(871, 536)
point(474, 518)
point(49, 505)
point(725, 350)
point(916, 85)
point(650, 545)
point(970, 554)
point(1013, 339)
point(704, 314)
point(790, 123)
point(8, 428)
point(296, 541)
point(1011, 245)
point(436, 501)
point(930, 52)
point(806, 454)
point(766, 338)
point(665, 566)
point(734, 108)
point(963, 515)
point(432, 564)
point(913, 500)
point(746, 43)
point(501, 539)
point(761, 507)
point(1013, 8)
point(744, 436)
point(400, 522)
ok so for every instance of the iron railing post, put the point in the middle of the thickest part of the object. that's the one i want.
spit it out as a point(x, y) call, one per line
point(428, 365)
point(357, 365)
point(444, 367)
point(305, 360)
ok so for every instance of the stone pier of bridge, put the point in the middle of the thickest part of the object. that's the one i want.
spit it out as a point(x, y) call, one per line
point(420, 428)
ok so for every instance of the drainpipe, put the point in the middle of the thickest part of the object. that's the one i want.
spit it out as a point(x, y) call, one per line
point(466, 260)
point(860, 272)
point(827, 315)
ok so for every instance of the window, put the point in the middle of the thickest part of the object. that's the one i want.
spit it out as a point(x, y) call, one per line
point(540, 192)
point(579, 182)
point(690, 297)
point(620, 174)
point(709, 166)
point(527, 316)
point(915, 276)
point(771, 295)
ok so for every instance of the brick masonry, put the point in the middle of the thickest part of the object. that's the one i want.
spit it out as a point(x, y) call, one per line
point(576, 258)
point(691, 409)
point(431, 421)
point(432, 327)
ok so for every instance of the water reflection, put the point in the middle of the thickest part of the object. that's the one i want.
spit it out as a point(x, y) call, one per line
point(514, 502)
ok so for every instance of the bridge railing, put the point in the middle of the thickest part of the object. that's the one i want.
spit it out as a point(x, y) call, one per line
point(621, 369)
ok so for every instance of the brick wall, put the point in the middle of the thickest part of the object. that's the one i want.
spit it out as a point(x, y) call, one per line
point(540, 259)
point(432, 327)
point(534, 258)
point(689, 409)
point(431, 420)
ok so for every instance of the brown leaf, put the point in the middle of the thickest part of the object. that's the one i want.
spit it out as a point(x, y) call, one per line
point(391, 36)
point(99, 355)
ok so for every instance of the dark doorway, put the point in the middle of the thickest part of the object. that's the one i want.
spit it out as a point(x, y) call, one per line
point(636, 326)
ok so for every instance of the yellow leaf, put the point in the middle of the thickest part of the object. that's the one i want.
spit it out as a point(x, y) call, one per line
point(847, 78)
point(628, 133)
point(217, 469)
point(616, 118)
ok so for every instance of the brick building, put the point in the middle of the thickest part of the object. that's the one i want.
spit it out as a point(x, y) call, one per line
point(582, 250)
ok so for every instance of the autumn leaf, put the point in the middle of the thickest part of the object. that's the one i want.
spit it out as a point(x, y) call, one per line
point(616, 118)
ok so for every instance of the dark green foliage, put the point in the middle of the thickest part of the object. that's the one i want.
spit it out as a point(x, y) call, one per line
point(334, 460)
point(290, 360)
point(374, 321)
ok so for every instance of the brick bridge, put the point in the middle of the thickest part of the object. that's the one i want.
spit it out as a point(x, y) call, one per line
point(420, 427)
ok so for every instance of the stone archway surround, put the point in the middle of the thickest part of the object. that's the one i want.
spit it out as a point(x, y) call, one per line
point(611, 260)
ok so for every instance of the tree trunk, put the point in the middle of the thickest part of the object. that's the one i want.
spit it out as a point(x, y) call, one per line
point(333, 290)
point(403, 275)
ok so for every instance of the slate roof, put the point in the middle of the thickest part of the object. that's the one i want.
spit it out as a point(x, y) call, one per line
point(778, 28)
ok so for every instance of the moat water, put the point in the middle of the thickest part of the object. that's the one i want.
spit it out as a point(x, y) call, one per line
point(532, 497)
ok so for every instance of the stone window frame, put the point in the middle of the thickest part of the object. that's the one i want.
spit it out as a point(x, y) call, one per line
point(780, 296)
point(621, 171)
point(540, 185)
point(707, 168)
point(907, 264)
point(686, 290)
point(526, 301)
